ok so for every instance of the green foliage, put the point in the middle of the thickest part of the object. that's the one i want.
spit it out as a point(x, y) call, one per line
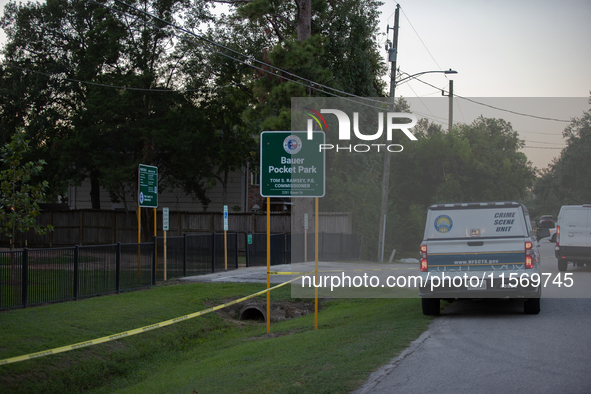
point(341, 52)
point(352, 52)
point(476, 162)
point(568, 179)
point(93, 130)
point(20, 191)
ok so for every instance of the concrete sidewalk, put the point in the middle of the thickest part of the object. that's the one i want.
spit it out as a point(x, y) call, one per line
point(259, 274)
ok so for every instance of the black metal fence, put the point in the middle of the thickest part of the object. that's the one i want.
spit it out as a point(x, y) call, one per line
point(291, 248)
point(38, 276)
point(196, 254)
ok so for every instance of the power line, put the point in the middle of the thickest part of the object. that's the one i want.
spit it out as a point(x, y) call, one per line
point(115, 86)
point(100, 84)
point(547, 143)
point(493, 107)
point(427, 49)
point(539, 147)
point(311, 83)
point(543, 142)
point(422, 102)
point(311, 86)
point(538, 132)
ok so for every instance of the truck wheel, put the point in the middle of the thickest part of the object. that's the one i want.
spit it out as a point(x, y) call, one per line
point(531, 306)
point(562, 265)
point(430, 306)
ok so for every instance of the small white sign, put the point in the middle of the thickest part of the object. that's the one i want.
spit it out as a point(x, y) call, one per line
point(165, 219)
point(225, 218)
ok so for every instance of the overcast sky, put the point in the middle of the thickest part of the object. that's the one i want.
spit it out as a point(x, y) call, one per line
point(502, 48)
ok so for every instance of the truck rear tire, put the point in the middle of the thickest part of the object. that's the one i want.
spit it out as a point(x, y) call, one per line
point(562, 265)
point(531, 306)
point(430, 306)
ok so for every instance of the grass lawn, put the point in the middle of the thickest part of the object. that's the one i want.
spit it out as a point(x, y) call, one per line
point(207, 354)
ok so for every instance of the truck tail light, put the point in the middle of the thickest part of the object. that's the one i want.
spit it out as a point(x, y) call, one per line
point(529, 261)
point(424, 264)
point(557, 235)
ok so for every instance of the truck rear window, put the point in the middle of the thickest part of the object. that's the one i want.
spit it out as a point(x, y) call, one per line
point(547, 224)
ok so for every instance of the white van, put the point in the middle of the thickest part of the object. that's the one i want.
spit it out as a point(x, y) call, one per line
point(573, 236)
point(479, 250)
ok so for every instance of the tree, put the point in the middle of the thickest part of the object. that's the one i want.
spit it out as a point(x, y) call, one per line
point(340, 51)
point(475, 162)
point(67, 59)
point(568, 178)
point(311, 43)
point(20, 191)
point(87, 82)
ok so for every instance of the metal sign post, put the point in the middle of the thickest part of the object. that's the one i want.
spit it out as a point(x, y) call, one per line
point(305, 237)
point(291, 166)
point(165, 220)
point(225, 237)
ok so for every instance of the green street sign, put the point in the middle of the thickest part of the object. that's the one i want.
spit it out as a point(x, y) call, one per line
point(250, 239)
point(292, 165)
point(148, 186)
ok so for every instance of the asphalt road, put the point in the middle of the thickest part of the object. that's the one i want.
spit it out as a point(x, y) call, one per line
point(487, 346)
point(490, 346)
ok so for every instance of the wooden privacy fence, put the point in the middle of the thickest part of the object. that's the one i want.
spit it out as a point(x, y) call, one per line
point(99, 227)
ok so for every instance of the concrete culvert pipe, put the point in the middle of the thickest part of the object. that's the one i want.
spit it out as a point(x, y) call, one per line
point(253, 312)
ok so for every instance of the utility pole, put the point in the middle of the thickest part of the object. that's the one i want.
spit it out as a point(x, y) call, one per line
point(392, 53)
point(451, 105)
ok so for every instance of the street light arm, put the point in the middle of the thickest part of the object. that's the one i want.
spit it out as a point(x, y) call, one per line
point(406, 79)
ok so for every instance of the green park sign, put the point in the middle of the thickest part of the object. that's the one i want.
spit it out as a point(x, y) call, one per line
point(148, 186)
point(291, 164)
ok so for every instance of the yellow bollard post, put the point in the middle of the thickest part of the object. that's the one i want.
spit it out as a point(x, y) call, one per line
point(155, 245)
point(139, 240)
point(225, 251)
point(268, 264)
point(316, 264)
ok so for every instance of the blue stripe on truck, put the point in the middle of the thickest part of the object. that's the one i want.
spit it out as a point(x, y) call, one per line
point(476, 261)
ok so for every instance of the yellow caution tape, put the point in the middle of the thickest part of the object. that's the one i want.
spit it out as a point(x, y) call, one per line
point(290, 273)
point(343, 270)
point(136, 331)
point(374, 269)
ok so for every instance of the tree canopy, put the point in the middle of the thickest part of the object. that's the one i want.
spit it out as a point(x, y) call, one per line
point(100, 90)
point(567, 181)
point(480, 161)
point(100, 87)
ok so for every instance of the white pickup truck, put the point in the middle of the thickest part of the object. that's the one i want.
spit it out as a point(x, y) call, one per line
point(479, 250)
